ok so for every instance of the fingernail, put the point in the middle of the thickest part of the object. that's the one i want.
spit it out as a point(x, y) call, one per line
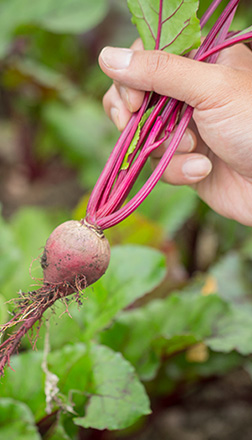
point(188, 142)
point(114, 114)
point(115, 58)
point(191, 141)
point(125, 97)
point(197, 168)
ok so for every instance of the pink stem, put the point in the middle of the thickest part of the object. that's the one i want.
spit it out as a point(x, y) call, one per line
point(113, 219)
point(209, 12)
point(104, 176)
point(124, 150)
point(113, 164)
point(209, 40)
point(122, 190)
point(157, 45)
point(131, 176)
point(225, 44)
point(145, 130)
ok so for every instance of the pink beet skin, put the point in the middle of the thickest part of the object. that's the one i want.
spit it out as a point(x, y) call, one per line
point(75, 252)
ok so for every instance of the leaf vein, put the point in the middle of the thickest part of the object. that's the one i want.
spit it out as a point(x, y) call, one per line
point(172, 15)
point(154, 10)
point(179, 33)
point(145, 19)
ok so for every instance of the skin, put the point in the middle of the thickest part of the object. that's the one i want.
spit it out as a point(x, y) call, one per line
point(215, 154)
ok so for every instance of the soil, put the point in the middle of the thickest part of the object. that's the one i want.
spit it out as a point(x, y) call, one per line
point(219, 410)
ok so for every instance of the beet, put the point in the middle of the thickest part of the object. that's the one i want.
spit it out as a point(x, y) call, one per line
point(75, 252)
point(75, 255)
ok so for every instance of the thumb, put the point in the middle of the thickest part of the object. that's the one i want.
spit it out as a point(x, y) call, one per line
point(166, 74)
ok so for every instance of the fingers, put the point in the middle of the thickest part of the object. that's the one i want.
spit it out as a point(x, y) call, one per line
point(186, 169)
point(120, 101)
point(239, 55)
point(167, 74)
point(131, 98)
point(187, 144)
point(115, 108)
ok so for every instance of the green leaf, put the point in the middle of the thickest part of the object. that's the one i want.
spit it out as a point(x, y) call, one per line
point(23, 386)
point(68, 364)
point(89, 376)
point(16, 421)
point(118, 398)
point(233, 331)
point(60, 16)
point(179, 370)
point(77, 125)
point(135, 139)
point(30, 229)
point(102, 381)
point(73, 16)
point(3, 310)
point(58, 432)
point(170, 206)
point(168, 325)
point(192, 314)
point(136, 229)
point(66, 326)
point(133, 271)
point(73, 366)
point(180, 28)
point(9, 252)
point(176, 343)
point(230, 275)
point(74, 130)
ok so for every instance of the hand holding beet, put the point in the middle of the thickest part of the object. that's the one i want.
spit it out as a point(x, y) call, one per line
point(217, 149)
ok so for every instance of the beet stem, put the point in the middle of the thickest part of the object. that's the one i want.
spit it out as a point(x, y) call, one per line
point(112, 219)
point(113, 187)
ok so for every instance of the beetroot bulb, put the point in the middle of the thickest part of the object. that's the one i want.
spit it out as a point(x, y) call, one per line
point(75, 252)
point(75, 256)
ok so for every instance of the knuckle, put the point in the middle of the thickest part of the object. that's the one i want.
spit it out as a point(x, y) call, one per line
point(157, 63)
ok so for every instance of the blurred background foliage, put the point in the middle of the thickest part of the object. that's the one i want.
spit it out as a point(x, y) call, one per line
point(176, 301)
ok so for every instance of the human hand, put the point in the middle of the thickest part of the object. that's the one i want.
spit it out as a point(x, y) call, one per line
point(215, 154)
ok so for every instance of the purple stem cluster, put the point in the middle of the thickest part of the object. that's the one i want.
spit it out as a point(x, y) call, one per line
point(107, 205)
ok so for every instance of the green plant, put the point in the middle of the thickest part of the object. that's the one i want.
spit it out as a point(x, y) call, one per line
point(104, 357)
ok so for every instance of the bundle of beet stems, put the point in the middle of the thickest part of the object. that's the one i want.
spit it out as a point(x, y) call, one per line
point(77, 253)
